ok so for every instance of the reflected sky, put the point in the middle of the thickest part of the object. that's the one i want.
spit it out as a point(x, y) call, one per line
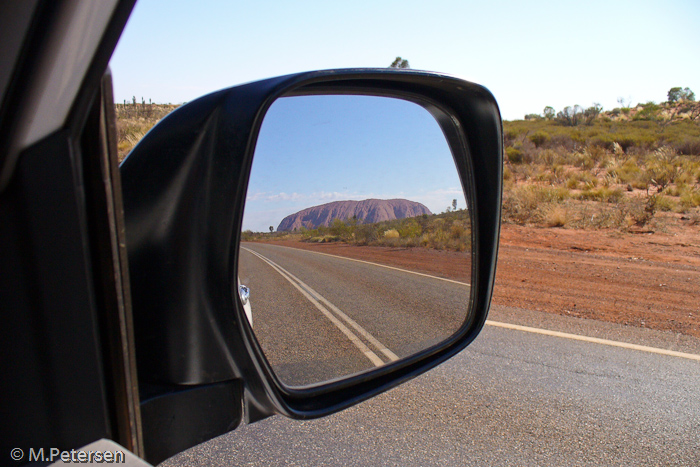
point(318, 149)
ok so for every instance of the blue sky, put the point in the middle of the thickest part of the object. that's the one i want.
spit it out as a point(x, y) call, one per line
point(316, 149)
point(529, 54)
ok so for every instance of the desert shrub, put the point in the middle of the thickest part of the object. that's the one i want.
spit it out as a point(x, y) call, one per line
point(611, 179)
point(563, 143)
point(584, 160)
point(597, 216)
point(628, 172)
point(601, 194)
point(540, 138)
point(523, 171)
point(572, 183)
point(651, 154)
point(673, 190)
point(556, 216)
point(617, 150)
point(457, 230)
point(582, 180)
point(410, 229)
point(248, 235)
point(688, 147)
point(134, 120)
point(685, 177)
point(528, 203)
point(649, 111)
point(392, 233)
point(552, 176)
point(548, 157)
point(690, 198)
point(366, 234)
point(436, 239)
point(598, 154)
point(642, 211)
point(509, 135)
point(662, 167)
point(552, 194)
point(545, 175)
point(664, 203)
point(339, 228)
point(514, 155)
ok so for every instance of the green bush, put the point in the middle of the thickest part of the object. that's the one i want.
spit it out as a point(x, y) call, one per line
point(602, 194)
point(540, 138)
point(515, 156)
point(664, 203)
point(410, 229)
point(690, 198)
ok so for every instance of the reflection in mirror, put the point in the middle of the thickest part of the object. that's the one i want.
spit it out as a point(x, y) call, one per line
point(356, 247)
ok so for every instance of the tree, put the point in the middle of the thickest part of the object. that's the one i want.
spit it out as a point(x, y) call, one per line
point(678, 94)
point(454, 204)
point(549, 113)
point(591, 113)
point(272, 229)
point(570, 116)
point(399, 63)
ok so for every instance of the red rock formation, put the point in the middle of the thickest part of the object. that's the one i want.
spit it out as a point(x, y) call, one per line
point(368, 211)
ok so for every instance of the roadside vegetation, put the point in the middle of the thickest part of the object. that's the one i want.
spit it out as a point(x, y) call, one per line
point(134, 119)
point(450, 230)
point(633, 169)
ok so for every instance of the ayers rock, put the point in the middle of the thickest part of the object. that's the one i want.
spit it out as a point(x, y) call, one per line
point(368, 211)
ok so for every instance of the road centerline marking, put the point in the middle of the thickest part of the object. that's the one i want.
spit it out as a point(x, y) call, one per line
point(314, 297)
point(594, 340)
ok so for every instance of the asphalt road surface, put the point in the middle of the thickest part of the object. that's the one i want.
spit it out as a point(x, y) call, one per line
point(587, 393)
point(319, 317)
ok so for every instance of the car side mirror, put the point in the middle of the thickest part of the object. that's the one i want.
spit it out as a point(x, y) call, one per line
point(345, 212)
point(186, 187)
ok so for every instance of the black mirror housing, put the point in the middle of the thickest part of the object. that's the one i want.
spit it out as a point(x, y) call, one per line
point(184, 189)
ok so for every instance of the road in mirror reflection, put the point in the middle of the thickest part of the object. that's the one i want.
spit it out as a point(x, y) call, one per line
point(370, 174)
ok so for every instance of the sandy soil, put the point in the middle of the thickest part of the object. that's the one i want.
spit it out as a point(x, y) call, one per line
point(647, 280)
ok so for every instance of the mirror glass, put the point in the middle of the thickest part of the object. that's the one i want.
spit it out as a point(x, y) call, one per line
point(356, 246)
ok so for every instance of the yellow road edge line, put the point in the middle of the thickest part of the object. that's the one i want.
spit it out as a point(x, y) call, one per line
point(595, 340)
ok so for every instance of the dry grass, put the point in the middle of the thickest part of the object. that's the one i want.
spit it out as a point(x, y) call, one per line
point(595, 188)
point(617, 171)
point(134, 121)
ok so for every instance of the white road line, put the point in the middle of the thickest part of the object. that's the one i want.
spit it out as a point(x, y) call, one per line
point(348, 333)
point(545, 332)
point(369, 337)
point(314, 297)
point(381, 347)
point(376, 264)
point(594, 340)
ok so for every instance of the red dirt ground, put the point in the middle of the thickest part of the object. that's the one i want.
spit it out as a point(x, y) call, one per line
point(647, 280)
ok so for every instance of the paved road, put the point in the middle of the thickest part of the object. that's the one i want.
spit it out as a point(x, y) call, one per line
point(512, 398)
point(319, 317)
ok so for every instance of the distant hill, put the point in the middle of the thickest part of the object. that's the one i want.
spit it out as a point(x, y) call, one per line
point(368, 211)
